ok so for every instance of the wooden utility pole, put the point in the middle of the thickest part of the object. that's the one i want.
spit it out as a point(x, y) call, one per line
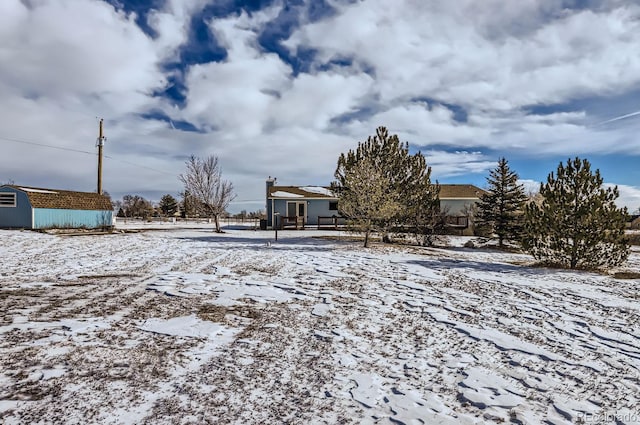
point(101, 140)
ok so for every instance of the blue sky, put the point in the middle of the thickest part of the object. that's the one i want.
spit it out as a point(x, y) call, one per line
point(281, 88)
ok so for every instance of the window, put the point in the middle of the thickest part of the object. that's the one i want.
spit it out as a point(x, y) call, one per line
point(7, 200)
point(333, 206)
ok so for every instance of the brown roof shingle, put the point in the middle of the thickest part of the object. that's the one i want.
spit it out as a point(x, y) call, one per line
point(460, 191)
point(65, 199)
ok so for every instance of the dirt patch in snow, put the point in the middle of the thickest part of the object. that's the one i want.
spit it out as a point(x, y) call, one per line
point(185, 327)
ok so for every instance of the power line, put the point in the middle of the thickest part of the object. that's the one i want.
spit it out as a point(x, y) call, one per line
point(45, 145)
point(140, 166)
point(26, 142)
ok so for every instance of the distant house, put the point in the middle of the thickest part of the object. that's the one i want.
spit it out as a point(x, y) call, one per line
point(35, 208)
point(300, 206)
point(457, 201)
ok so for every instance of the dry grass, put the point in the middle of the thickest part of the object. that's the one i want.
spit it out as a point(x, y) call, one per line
point(625, 274)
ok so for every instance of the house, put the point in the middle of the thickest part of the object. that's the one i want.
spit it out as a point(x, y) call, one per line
point(300, 206)
point(457, 201)
point(35, 208)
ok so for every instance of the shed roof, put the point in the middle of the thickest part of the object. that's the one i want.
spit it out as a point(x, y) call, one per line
point(64, 199)
point(316, 192)
point(460, 191)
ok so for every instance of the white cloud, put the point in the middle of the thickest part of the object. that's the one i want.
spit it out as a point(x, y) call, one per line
point(314, 99)
point(66, 48)
point(236, 94)
point(63, 63)
point(530, 186)
point(493, 64)
point(471, 55)
point(629, 196)
point(448, 164)
point(172, 25)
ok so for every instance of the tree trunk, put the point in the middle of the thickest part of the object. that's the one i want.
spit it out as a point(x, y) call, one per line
point(366, 238)
point(216, 217)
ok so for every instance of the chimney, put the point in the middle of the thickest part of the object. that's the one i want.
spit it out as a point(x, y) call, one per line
point(271, 181)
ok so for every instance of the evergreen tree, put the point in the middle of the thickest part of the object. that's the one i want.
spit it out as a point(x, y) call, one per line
point(578, 224)
point(420, 202)
point(168, 205)
point(501, 209)
point(364, 198)
point(379, 183)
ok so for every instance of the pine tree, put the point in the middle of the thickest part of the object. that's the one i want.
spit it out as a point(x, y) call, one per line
point(168, 205)
point(421, 205)
point(578, 224)
point(501, 209)
point(188, 205)
point(379, 183)
point(364, 198)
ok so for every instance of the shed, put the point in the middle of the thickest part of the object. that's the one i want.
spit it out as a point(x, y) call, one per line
point(24, 207)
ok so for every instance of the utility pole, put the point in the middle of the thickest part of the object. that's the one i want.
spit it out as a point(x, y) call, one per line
point(101, 140)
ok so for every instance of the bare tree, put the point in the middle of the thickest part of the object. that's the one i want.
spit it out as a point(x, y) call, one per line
point(134, 206)
point(203, 180)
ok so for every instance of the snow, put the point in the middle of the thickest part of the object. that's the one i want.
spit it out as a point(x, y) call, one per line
point(319, 190)
point(28, 189)
point(188, 326)
point(284, 194)
point(184, 325)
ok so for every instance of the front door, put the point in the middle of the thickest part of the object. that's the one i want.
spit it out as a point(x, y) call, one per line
point(298, 209)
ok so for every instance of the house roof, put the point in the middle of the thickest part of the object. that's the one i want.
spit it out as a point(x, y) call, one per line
point(293, 192)
point(447, 191)
point(460, 191)
point(64, 199)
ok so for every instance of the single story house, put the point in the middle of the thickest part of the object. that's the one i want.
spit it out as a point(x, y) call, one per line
point(300, 206)
point(35, 208)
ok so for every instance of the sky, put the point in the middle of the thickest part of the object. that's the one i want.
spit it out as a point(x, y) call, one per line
point(281, 88)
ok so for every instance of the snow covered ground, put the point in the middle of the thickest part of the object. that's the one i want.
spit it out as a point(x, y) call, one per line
point(186, 326)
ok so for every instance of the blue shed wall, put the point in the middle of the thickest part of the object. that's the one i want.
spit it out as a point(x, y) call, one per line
point(18, 217)
point(44, 218)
